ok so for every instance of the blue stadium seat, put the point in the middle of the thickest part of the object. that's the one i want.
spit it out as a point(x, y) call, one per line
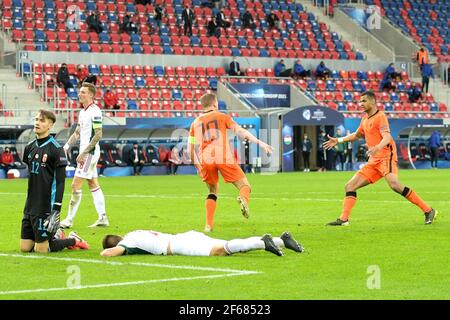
point(312, 85)
point(263, 53)
point(343, 55)
point(84, 47)
point(341, 106)
point(137, 48)
point(434, 107)
point(112, 17)
point(359, 56)
point(39, 35)
point(235, 52)
point(94, 69)
point(72, 93)
point(395, 97)
point(335, 74)
point(242, 42)
point(26, 68)
point(222, 105)
point(401, 86)
point(388, 107)
point(159, 71)
point(362, 75)
point(131, 8)
point(176, 94)
point(348, 96)
point(330, 85)
point(165, 40)
point(139, 82)
point(135, 38)
point(132, 105)
point(91, 6)
point(73, 80)
point(104, 37)
point(213, 83)
point(167, 50)
point(195, 41)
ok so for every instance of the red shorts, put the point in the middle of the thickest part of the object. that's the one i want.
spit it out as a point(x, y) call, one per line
point(377, 169)
point(229, 172)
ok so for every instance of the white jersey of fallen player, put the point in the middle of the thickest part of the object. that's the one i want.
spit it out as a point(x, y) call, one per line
point(191, 243)
point(89, 119)
point(146, 242)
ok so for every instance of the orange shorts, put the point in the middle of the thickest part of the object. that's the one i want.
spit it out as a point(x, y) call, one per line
point(377, 169)
point(229, 172)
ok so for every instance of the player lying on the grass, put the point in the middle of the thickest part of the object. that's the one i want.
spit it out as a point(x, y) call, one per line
point(47, 163)
point(374, 128)
point(210, 151)
point(192, 243)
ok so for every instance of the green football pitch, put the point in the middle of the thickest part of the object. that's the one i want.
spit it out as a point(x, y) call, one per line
point(386, 253)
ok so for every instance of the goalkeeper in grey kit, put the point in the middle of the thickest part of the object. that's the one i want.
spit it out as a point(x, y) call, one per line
point(46, 162)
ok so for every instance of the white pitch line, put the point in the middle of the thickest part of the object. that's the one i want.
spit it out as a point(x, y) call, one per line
point(230, 273)
point(118, 263)
point(103, 285)
point(150, 196)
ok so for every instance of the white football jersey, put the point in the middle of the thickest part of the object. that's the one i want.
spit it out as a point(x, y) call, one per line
point(145, 242)
point(90, 118)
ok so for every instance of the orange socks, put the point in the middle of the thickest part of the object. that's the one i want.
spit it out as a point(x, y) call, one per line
point(210, 205)
point(349, 203)
point(244, 192)
point(412, 197)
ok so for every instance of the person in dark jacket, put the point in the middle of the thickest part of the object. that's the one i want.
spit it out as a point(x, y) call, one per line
point(136, 159)
point(188, 18)
point(247, 21)
point(306, 146)
point(322, 71)
point(427, 72)
point(63, 78)
point(235, 69)
point(434, 142)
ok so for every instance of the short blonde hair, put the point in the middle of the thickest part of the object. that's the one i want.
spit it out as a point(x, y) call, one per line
point(92, 89)
point(207, 100)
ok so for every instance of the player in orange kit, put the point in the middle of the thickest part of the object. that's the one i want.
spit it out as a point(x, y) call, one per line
point(374, 128)
point(211, 152)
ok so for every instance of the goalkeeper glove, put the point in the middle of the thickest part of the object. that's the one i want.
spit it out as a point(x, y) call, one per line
point(52, 221)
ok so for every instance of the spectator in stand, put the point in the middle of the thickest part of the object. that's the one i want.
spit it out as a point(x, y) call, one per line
point(213, 28)
point(136, 159)
point(247, 21)
point(414, 93)
point(299, 71)
point(386, 84)
point(82, 73)
point(62, 77)
point(102, 164)
point(158, 13)
point(221, 21)
point(7, 161)
point(273, 20)
point(188, 20)
point(93, 22)
point(391, 73)
point(422, 57)
point(143, 2)
point(110, 100)
point(349, 153)
point(281, 71)
point(427, 72)
point(322, 71)
point(128, 25)
point(235, 69)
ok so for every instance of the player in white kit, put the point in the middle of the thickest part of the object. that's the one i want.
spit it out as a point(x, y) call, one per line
point(192, 243)
point(89, 132)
